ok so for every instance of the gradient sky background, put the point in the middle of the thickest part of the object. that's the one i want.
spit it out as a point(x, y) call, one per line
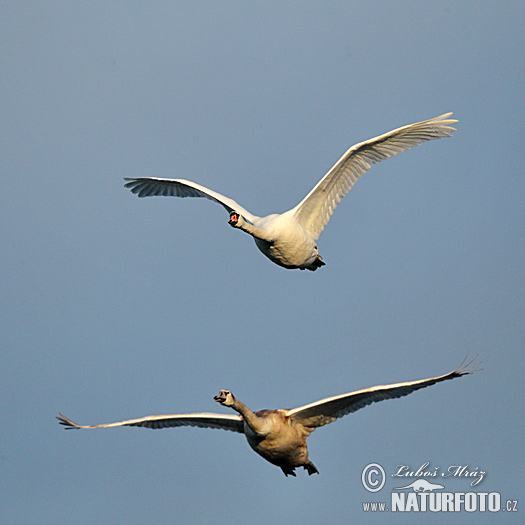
point(115, 307)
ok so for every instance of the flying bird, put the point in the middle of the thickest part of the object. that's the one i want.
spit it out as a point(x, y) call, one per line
point(289, 239)
point(279, 436)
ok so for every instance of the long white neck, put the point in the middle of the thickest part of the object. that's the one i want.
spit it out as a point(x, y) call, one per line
point(254, 231)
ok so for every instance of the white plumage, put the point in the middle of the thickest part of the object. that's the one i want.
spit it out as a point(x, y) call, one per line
point(289, 239)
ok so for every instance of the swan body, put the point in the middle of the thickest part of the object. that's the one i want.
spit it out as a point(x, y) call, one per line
point(282, 239)
point(279, 436)
point(289, 239)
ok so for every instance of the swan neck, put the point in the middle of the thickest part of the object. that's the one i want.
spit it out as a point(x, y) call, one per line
point(256, 232)
point(250, 417)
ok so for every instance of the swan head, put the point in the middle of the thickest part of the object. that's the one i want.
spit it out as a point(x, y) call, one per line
point(236, 219)
point(225, 397)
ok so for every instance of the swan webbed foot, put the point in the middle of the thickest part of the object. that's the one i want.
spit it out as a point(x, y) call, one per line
point(317, 263)
point(311, 468)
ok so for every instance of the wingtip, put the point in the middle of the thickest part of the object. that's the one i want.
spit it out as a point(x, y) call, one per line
point(445, 116)
point(131, 182)
point(469, 368)
point(63, 420)
point(444, 121)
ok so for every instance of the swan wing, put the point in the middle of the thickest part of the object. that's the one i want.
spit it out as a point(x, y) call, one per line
point(328, 410)
point(231, 422)
point(150, 186)
point(315, 210)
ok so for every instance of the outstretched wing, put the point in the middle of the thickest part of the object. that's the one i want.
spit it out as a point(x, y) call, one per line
point(315, 210)
point(328, 410)
point(149, 187)
point(231, 422)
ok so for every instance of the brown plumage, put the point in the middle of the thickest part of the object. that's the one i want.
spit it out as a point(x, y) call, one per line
point(279, 436)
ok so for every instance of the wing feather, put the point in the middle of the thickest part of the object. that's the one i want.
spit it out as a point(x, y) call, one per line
point(232, 422)
point(315, 210)
point(153, 187)
point(328, 410)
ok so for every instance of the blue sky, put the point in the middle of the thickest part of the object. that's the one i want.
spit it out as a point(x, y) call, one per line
point(115, 307)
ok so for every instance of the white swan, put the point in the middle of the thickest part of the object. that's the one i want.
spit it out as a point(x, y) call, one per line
point(279, 436)
point(289, 239)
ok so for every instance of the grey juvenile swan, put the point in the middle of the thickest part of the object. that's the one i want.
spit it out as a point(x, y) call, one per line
point(289, 239)
point(279, 436)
